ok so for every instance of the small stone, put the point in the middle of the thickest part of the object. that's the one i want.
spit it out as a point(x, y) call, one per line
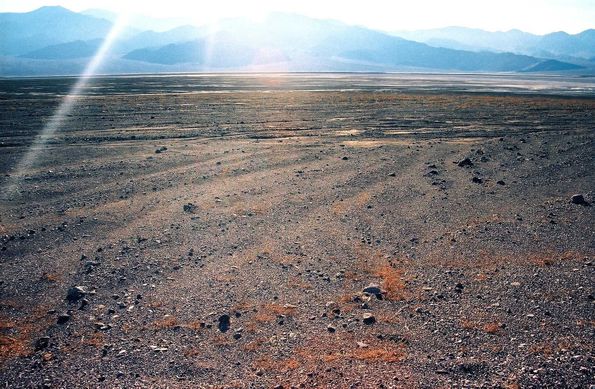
point(578, 199)
point(476, 180)
point(42, 343)
point(102, 326)
point(75, 294)
point(392, 175)
point(63, 318)
point(345, 158)
point(465, 162)
point(369, 319)
point(160, 150)
point(500, 182)
point(330, 328)
point(372, 289)
point(84, 303)
point(224, 323)
point(189, 208)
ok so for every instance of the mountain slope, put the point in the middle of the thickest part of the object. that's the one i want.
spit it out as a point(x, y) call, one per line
point(281, 42)
point(69, 50)
point(557, 45)
point(26, 32)
point(562, 44)
point(551, 65)
point(291, 37)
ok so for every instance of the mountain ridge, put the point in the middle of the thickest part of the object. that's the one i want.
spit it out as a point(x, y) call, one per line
point(281, 41)
point(554, 45)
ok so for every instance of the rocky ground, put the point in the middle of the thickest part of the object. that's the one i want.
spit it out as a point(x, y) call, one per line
point(296, 238)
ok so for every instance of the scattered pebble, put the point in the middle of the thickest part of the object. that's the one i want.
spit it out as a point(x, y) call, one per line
point(63, 318)
point(75, 294)
point(368, 318)
point(42, 343)
point(579, 199)
point(373, 289)
point(465, 162)
point(224, 323)
point(190, 208)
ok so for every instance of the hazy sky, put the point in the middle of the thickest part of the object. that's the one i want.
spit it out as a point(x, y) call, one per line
point(537, 16)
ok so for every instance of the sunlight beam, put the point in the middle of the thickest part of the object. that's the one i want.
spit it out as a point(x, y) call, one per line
point(11, 189)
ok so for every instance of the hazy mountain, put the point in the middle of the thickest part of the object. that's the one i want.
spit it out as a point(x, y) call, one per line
point(26, 32)
point(287, 37)
point(552, 65)
point(141, 22)
point(69, 50)
point(280, 42)
point(156, 39)
point(554, 45)
point(561, 44)
point(220, 52)
point(121, 46)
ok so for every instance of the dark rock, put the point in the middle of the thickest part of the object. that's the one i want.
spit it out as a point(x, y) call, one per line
point(369, 319)
point(500, 182)
point(189, 208)
point(465, 162)
point(579, 199)
point(476, 180)
point(42, 343)
point(392, 175)
point(345, 158)
point(75, 294)
point(63, 318)
point(161, 150)
point(84, 303)
point(224, 323)
point(330, 328)
point(372, 289)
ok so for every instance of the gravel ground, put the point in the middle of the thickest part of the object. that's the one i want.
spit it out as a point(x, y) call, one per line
point(278, 237)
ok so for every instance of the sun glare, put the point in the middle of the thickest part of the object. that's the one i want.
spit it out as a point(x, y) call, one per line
point(66, 106)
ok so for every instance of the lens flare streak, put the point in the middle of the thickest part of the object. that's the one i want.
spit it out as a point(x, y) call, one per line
point(57, 120)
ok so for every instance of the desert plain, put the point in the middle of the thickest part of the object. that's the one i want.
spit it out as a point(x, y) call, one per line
point(298, 231)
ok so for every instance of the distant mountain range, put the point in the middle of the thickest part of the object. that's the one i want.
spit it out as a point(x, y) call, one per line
point(557, 45)
point(54, 40)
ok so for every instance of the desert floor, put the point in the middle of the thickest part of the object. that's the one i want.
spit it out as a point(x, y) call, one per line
point(303, 231)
